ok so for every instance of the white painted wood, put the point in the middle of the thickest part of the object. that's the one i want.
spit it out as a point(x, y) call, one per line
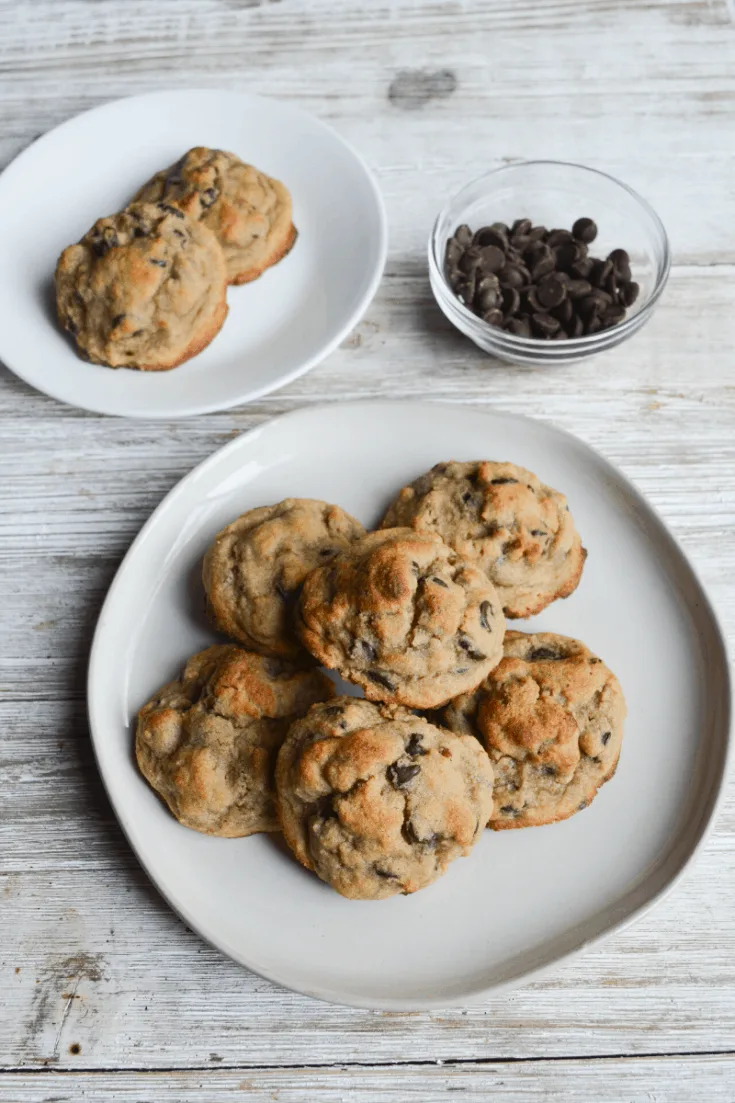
point(667, 1080)
point(643, 90)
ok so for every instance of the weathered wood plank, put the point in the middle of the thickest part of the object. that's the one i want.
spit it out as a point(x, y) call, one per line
point(91, 925)
point(674, 1080)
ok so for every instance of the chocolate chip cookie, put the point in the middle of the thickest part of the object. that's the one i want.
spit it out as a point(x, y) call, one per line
point(207, 743)
point(378, 801)
point(143, 289)
point(254, 570)
point(403, 616)
point(505, 521)
point(550, 716)
point(248, 212)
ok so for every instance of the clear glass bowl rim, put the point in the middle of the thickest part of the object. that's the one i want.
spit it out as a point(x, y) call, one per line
point(591, 341)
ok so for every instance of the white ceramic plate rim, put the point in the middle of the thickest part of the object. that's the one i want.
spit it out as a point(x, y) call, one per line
point(648, 898)
point(248, 394)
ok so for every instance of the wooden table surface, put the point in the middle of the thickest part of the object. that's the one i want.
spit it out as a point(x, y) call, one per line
point(106, 995)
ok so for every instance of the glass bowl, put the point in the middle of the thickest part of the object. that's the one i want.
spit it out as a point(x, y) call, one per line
point(555, 194)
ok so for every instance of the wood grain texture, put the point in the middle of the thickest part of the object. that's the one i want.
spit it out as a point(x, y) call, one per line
point(432, 93)
point(673, 1080)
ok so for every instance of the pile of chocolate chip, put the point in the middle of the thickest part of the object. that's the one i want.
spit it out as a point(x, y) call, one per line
point(534, 282)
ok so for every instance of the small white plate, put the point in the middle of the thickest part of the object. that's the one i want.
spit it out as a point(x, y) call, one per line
point(523, 900)
point(278, 327)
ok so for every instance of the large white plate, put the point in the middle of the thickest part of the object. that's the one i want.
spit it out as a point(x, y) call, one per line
point(523, 900)
point(278, 327)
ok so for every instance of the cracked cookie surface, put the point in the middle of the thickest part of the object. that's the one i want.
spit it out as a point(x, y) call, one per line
point(248, 212)
point(143, 289)
point(551, 718)
point(254, 570)
point(403, 616)
point(505, 521)
point(207, 742)
point(378, 801)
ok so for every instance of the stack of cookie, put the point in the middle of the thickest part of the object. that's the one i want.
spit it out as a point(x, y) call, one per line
point(462, 725)
point(146, 288)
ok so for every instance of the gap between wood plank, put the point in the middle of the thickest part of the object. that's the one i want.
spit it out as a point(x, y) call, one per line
point(453, 1062)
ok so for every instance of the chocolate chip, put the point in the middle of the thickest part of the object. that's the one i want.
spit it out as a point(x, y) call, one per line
point(537, 233)
point(502, 480)
point(549, 771)
point(511, 301)
point(628, 292)
point(582, 268)
point(492, 258)
point(564, 311)
point(576, 326)
point(493, 317)
point(463, 236)
point(487, 296)
point(414, 746)
point(171, 210)
point(551, 291)
point(515, 275)
point(611, 316)
point(509, 810)
point(138, 333)
point(453, 252)
point(543, 267)
point(489, 235)
point(519, 327)
point(540, 653)
point(180, 234)
point(605, 738)
point(159, 263)
point(468, 646)
point(559, 237)
point(621, 263)
point(368, 651)
point(594, 325)
point(577, 289)
point(585, 230)
point(521, 227)
point(385, 873)
point(72, 326)
point(582, 805)
point(486, 612)
point(208, 197)
point(399, 776)
point(545, 325)
point(601, 270)
point(538, 532)
point(284, 593)
point(440, 582)
point(381, 679)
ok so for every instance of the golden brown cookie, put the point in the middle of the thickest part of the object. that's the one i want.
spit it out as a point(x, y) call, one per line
point(248, 212)
point(550, 716)
point(207, 743)
point(143, 289)
point(401, 615)
point(378, 801)
point(254, 571)
point(501, 518)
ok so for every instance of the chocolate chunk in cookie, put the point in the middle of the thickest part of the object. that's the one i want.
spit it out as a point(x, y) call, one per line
point(248, 212)
point(550, 716)
point(403, 616)
point(207, 743)
point(501, 518)
point(378, 801)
